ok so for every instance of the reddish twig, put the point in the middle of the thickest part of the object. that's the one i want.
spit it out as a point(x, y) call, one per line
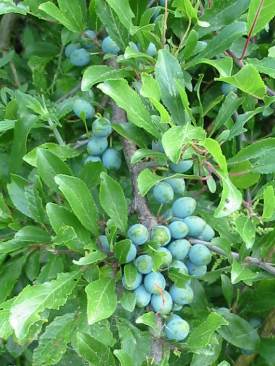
point(252, 28)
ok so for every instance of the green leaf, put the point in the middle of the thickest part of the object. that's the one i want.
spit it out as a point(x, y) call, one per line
point(5, 328)
point(133, 133)
point(22, 129)
point(265, 350)
point(240, 272)
point(215, 150)
point(239, 332)
point(80, 199)
point(123, 11)
point(174, 139)
point(48, 166)
point(231, 198)
point(113, 201)
point(136, 343)
point(130, 273)
point(227, 289)
point(230, 105)
point(221, 42)
point(223, 65)
point(248, 80)
point(256, 152)
point(121, 250)
point(53, 342)
point(112, 23)
point(267, 12)
point(186, 7)
point(148, 153)
point(71, 14)
point(243, 176)
point(265, 66)
point(201, 336)
point(90, 173)
point(64, 152)
point(146, 180)
point(9, 275)
point(269, 202)
point(121, 92)
point(93, 351)
point(128, 300)
point(16, 190)
point(150, 89)
point(8, 6)
point(6, 125)
point(33, 300)
point(149, 319)
point(102, 299)
point(247, 230)
point(60, 217)
point(97, 73)
point(123, 357)
point(167, 71)
point(93, 257)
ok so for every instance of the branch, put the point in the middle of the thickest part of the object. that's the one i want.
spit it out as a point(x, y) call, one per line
point(129, 148)
point(252, 261)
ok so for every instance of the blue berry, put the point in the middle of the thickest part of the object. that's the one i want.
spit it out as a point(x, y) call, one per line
point(166, 257)
point(200, 255)
point(111, 159)
point(227, 88)
point(80, 57)
point(97, 145)
point(154, 282)
point(143, 297)
point(182, 166)
point(102, 127)
point(195, 225)
point(163, 193)
point(88, 33)
point(178, 229)
point(179, 266)
point(179, 248)
point(70, 48)
point(196, 271)
point(144, 264)
point(104, 243)
point(207, 233)
point(138, 233)
point(152, 49)
point(132, 253)
point(160, 235)
point(178, 185)
point(183, 207)
point(157, 146)
point(135, 284)
point(176, 328)
point(182, 295)
point(109, 46)
point(82, 107)
point(162, 303)
point(93, 159)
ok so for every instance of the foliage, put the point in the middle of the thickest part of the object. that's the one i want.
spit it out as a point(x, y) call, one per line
point(189, 89)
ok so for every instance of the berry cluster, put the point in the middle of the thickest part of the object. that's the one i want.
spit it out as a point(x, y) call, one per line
point(78, 53)
point(166, 249)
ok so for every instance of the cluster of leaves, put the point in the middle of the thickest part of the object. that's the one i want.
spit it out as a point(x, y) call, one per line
point(61, 300)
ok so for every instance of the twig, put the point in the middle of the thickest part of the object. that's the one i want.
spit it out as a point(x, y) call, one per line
point(6, 25)
point(252, 28)
point(252, 261)
point(165, 23)
point(70, 93)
